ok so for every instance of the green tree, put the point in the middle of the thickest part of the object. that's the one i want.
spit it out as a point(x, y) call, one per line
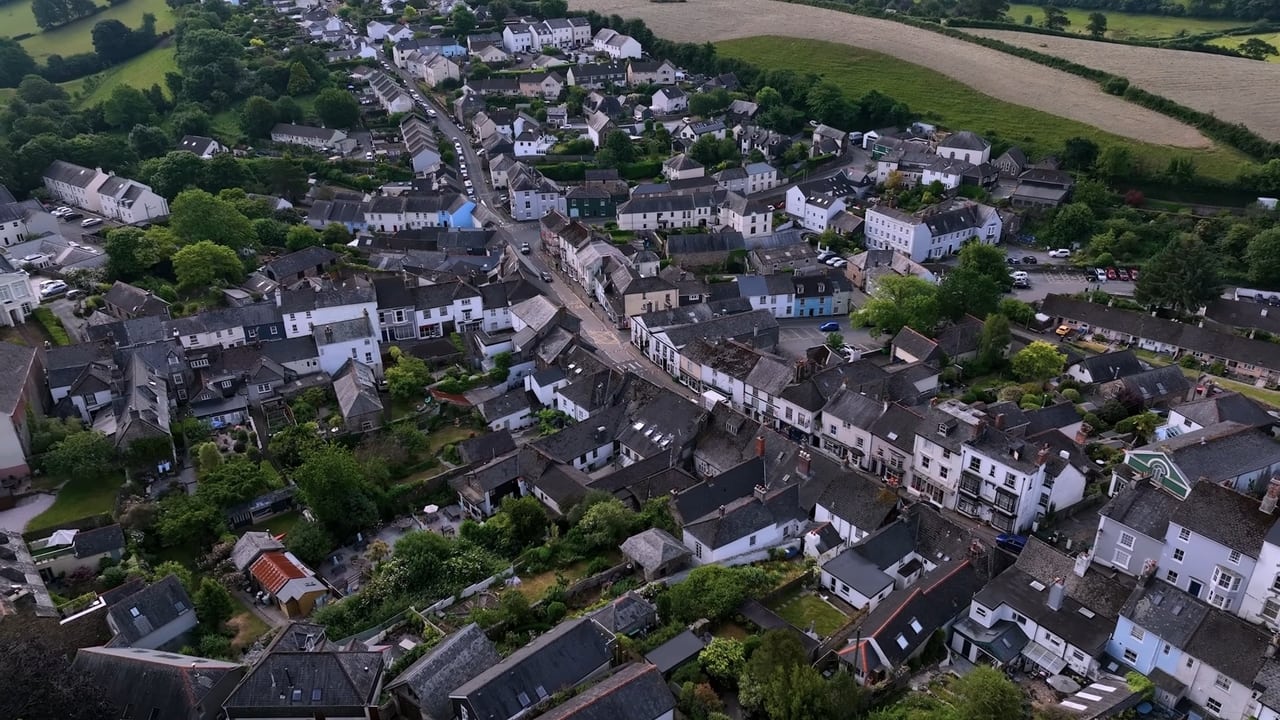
point(83, 454)
point(126, 107)
point(616, 149)
point(1183, 275)
point(1262, 256)
point(1097, 26)
point(408, 377)
point(1071, 225)
point(528, 519)
point(423, 554)
point(188, 520)
point(834, 340)
point(900, 301)
point(185, 577)
point(778, 652)
point(208, 457)
point(335, 234)
point(1257, 49)
point(213, 604)
point(205, 264)
point(1114, 162)
point(112, 41)
point(15, 62)
point(768, 98)
point(131, 252)
point(552, 9)
point(826, 102)
point(149, 141)
point(333, 484)
point(270, 233)
point(1181, 170)
point(464, 21)
point(197, 216)
point(1055, 19)
point(301, 236)
point(310, 542)
point(986, 694)
point(723, 660)
point(337, 108)
point(1038, 361)
point(300, 81)
point(982, 9)
point(190, 120)
point(711, 592)
point(1078, 153)
point(797, 693)
point(172, 173)
point(606, 524)
point(257, 117)
point(706, 104)
point(994, 340)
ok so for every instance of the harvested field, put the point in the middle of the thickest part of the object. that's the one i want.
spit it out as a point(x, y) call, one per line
point(990, 72)
point(1234, 89)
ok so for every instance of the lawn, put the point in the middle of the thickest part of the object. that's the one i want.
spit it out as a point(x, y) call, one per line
point(248, 626)
point(939, 99)
point(448, 435)
point(535, 586)
point(1235, 40)
point(77, 36)
point(79, 498)
point(141, 72)
point(1125, 26)
point(278, 525)
point(805, 609)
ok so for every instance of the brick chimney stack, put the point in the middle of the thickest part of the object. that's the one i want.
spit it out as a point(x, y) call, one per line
point(760, 446)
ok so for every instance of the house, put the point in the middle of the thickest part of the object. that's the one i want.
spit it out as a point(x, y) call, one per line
point(152, 617)
point(251, 545)
point(627, 615)
point(651, 72)
point(867, 267)
point(21, 401)
point(290, 585)
point(1106, 367)
point(419, 139)
point(1226, 453)
point(903, 623)
point(124, 301)
point(438, 68)
point(827, 141)
point(315, 138)
point(1202, 411)
point(294, 266)
point(531, 195)
point(669, 101)
point(934, 232)
point(750, 217)
point(499, 86)
point(816, 203)
point(16, 296)
point(69, 551)
point(667, 210)
point(328, 683)
point(1011, 163)
point(1056, 611)
point(755, 519)
point(1009, 481)
point(391, 96)
point(675, 653)
point(357, 391)
point(1157, 386)
point(772, 292)
point(682, 167)
point(569, 655)
point(202, 147)
point(616, 45)
point(421, 691)
point(956, 341)
point(967, 146)
point(691, 131)
point(112, 196)
point(1041, 188)
point(657, 553)
point(74, 185)
point(161, 684)
point(635, 691)
point(596, 76)
point(357, 338)
point(544, 85)
point(482, 488)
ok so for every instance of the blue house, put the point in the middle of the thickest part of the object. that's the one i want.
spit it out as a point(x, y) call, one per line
point(815, 296)
point(460, 214)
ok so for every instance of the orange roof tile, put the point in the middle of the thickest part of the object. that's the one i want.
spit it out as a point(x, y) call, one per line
point(273, 570)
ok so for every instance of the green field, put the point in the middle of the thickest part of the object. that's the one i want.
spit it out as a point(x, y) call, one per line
point(77, 36)
point(79, 498)
point(17, 19)
point(939, 99)
point(1235, 40)
point(141, 72)
point(1124, 26)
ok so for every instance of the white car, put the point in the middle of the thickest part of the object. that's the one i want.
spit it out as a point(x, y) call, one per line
point(90, 222)
point(1060, 253)
point(53, 288)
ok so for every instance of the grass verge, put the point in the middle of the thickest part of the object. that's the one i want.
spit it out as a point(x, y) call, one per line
point(77, 37)
point(942, 100)
point(79, 498)
point(1129, 26)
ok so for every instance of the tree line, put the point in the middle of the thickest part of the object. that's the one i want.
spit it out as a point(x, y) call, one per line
point(113, 43)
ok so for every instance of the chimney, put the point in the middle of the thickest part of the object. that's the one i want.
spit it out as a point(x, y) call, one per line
point(1082, 562)
point(802, 466)
point(760, 446)
point(1042, 455)
point(1273, 494)
point(1082, 435)
point(721, 511)
point(1000, 421)
point(600, 433)
point(979, 429)
point(760, 492)
point(1057, 592)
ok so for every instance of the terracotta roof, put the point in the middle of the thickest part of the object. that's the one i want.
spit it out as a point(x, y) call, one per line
point(274, 571)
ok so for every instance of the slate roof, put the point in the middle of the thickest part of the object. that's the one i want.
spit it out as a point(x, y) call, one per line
point(1218, 452)
point(504, 405)
point(1241, 314)
point(289, 350)
point(356, 389)
point(653, 548)
point(71, 173)
point(1054, 417)
point(454, 661)
point(155, 683)
point(1230, 645)
point(858, 499)
point(300, 261)
point(1223, 407)
point(493, 474)
point(859, 573)
point(342, 331)
point(16, 364)
point(626, 614)
point(1157, 384)
point(1143, 507)
point(135, 300)
point(97, 541)
point(1224, 516)
point(555, 661)
point(1163, 609)
point(486, 446)
point(1112, 365)
point(898, 426)
point(747, 515)
point(635, 692)
point(965, 140)
point(149, 609)
point(675, 652)
point(325, 682)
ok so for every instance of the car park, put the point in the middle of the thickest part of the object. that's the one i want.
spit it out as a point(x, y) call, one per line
point(90, 222)
point(825, 255)
point(1060, 253)
point(831, 326)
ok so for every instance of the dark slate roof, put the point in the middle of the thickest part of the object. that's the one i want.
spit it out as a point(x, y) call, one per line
point(1099, 591)
point(155, 683)
point(301, 260)
point(135, 300)
point(88, 543)
point(492, 475)
point(858, 499)
point(128, 333)
point(156, 606)
point(454, 661)
point(1054, 417)
point(930, 604)
point(70, 173)
point(654, 547)
point(1223, 407)
point(859, 573)
point(1143, 507)
point(675, 652)
point(854, 408)
point(635, 692)
point(898, 426)
point(301, 637)
point(965, 140)
point(888, 545)
point(746, 516)
point(555, 661)
point(1230, 645)
point(960, 337)
point(1112, 365)
point(323, 682)
point(626, 614)
point(485, 447)
point(16, 362)
point(1166, 611)
point(1237, 313)
point(1219, 451)
point(1158, 383)
point(290, 350)
point(1224, 516)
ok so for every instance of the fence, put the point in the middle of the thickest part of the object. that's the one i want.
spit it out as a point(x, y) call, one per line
point(468, 591)
point(604, 577)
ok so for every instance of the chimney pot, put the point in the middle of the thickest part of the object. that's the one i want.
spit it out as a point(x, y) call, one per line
point(1043, 455)
point(1057, 593)
point(760, 446)
point(1000, 421)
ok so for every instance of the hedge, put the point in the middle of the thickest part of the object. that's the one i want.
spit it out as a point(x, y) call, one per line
point(52, 325)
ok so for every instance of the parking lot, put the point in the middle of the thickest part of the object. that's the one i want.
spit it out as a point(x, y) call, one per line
point(797, 335)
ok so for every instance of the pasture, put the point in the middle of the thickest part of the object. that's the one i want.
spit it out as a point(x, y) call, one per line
point(1130, 26)
point(77, 37)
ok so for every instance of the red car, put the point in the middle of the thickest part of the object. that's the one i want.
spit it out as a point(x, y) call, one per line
point(1122, 274)
point(1133, 274)
point(1111, 273)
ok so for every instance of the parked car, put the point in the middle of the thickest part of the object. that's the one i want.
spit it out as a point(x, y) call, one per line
point(1122, 273)
point(1133, 274)
point(1029, 260)
point(68, 217)
point(1011, 542)
point(1111, 274)
point(1060, 253)
point(829, 327)
point(525, 249)
point(90, 222)
point(75, 294)
point(546, 276)
point(1100, 274)
point(1063, 330)
point(55, 287)
point(1011, 261)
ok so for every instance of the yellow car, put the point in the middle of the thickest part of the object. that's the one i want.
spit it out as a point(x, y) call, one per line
point(1063, 330)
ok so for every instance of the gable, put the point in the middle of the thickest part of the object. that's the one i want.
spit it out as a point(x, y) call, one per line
point(1162, 470)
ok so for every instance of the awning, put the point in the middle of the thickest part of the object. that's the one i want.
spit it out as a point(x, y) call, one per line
point(1044, 657)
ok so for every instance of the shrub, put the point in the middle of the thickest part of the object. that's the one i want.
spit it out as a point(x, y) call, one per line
point(555, 611)
point(598, 565)
point(1189, 362)
point(1071, 394)
point(1218, 368)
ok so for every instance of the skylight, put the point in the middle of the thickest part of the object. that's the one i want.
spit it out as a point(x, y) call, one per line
point(1037, 585)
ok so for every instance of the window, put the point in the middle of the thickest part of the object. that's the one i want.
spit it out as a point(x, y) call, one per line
point(833, 429)
point(982, 612)
point(264, 388)
point(1234, 557)
point(751, 541)
point(1122, 559)
point(1020, 618)
point(1191, 662)
point(1130, 656)
point(1271, 610)
point(915, 625)
point(1222, 681)
point(924, 463)
point(1010, 480)
point(1213, 705)
point(275, 330)
point(975, 464)
point(1178, 555)
point(1171, 577)
point(1137, 633)
point(1166, 649)
point(1184, 534)
point(1126, 540)
point(1226, 580)
point(944, 472)
point(946, 454)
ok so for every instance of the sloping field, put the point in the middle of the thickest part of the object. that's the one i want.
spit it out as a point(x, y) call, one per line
point(1236, 40)
point(1123, 25)
point(1234, 89)
point(990, 72)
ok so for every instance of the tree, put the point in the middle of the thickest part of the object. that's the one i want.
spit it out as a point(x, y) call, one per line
point(126, 107)
point(723, 660)
point(900, 301)
point(551, 9)
point(196, 216)
point(15, 62)
point(1262, 256)
point(994, 340)
point(208, 457)
point(1097, 26)
point(464, 21)
point(213, 604)
point(35, 89)
point(301, 236)
point(190, 120)
point(1070, 225)
point(257, 117)
point(1038, 361)
point(112, 40)
point(1257, 49)
point(1055, 19)
point(289, 111)
point(616, 149)
point(711, 592)
point(422, 554)
point(778, 652)
point(270, 233)
point(172, 173)
point(1183, 275)
point(797, 693)
point(1078, 153)
point(986, 694)
point(149, 141)
point(310, 542)
point(710, 151)
point(88, 453)
point(188, 520)
point(605, 524)
point(408, 377)
point(300, 81)
point(528, 519)
point(337, 108)
point(706, 104)
point(333, 484)
point(826, 102)
point(131, 252)
point(834, 340)
point(41, 685)
point(204, 264)
point(1180, 170)
point(335, 234)
point(982, 9)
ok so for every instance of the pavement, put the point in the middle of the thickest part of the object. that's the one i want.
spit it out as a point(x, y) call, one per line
point(15, 519)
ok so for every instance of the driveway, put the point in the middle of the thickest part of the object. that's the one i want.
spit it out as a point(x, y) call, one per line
point(16, 519)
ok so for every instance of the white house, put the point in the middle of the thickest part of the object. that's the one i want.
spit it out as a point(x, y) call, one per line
point(532, 195)
point(616, 45)
point(419, 139)
point(932, 233)
point(750, 217)
point(682, 167)
point(659, 212)
point(130, 201)
point(340, 341)
point(75, 185)
point(669, 101)
point(316, 138)
point(202, 147)
point(437, 68)
point(764, 519)
point(967, 146)
point(1010, 482)
point(814, 212)
point(16, 295)
point(760, 177)
point(307, 306)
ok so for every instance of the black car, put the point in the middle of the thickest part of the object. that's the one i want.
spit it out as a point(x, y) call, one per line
point(1011, 261)
point(1029, 260)
point(72, 216)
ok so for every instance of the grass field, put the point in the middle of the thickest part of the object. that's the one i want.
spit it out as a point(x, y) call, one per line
point(79, 498)
point(1235, 40)
point(1122, 25)
point(77, 36)
point(942, 100)
point(141, 72)
point(17, 19)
